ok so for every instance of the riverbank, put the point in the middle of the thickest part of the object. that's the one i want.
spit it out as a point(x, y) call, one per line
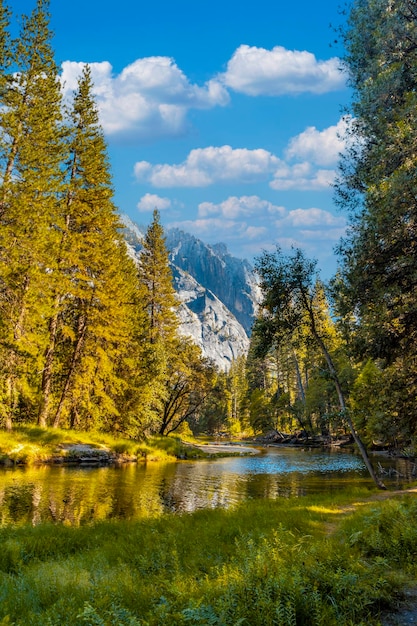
point(311, 561)
point(31, 445)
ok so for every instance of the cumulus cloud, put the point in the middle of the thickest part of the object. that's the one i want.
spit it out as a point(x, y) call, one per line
point(302, 177)
point(151, 201)
point(253, 225)
point(234, 207)
point(206, 166)
point(302, 218)
point(257, 71)
point(320, 147)
point(232, 232)
point(150, 97)
point(211, 226)
point(318, 151)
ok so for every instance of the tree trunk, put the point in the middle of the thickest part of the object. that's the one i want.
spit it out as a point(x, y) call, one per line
point(53, 331)
point(47, 371)
point(343, 408)
point(339, 391)
point(299, 379)
point(81, 331)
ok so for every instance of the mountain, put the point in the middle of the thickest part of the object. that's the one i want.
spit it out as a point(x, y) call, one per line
point(229, 278)
point(218, 292)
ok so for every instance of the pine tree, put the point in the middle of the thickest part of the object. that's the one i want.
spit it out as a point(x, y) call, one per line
point(31, 153)
point(159, 334)
point(156, 275)
point(92, 321)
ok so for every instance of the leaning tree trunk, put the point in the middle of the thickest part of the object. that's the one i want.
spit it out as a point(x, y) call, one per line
point(343, 408)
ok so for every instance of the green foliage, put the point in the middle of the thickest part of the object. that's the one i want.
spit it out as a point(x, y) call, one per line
point(385, 533)
point(156, 340)
point(88, 340)
point(31, 154)
point(114, 615)
point(190, 380)
point(375, 289)
point(296, 311)
point(263, 563)
point(31, 444)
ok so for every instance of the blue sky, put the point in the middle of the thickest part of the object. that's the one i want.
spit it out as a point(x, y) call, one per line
point(224, 115)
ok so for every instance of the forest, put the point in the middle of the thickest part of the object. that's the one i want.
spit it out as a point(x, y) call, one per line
point(90, 344)
point(89, 337)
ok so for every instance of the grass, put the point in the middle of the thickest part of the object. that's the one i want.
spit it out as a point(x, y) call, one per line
point(313, 561)
point(32, 444)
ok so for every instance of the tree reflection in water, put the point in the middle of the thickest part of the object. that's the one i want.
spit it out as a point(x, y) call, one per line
point(78, 496)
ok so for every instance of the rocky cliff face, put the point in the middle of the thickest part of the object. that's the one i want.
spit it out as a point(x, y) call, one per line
point(229, 278)
point(217, 292)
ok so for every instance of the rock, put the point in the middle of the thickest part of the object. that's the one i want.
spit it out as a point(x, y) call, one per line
point(218, 292)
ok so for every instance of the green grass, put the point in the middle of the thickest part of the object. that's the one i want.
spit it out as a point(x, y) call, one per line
point(291, 562)
point(32, 444)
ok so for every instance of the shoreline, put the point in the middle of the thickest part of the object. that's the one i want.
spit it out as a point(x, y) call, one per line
point(90, 455)
point(223, 449)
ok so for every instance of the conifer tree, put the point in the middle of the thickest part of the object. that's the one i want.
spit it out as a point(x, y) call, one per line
point(376, 289)
point(159, 335)
point(31, 154)
point(156, 275)
point(93, 316)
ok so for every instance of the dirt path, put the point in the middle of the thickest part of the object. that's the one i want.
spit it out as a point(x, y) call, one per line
point(406, 613)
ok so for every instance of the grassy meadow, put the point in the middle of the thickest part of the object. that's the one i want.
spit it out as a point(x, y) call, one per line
point(313, 561)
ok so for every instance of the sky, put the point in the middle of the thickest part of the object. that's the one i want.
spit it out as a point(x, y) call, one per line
point(227, 116)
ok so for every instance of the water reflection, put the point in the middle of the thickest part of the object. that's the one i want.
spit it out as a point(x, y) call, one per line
point(78, 496)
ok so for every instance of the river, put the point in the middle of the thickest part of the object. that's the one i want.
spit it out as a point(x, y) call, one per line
point(74, 495)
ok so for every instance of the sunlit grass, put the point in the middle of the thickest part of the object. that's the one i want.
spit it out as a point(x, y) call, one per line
point(263, 563)
point(32, 444)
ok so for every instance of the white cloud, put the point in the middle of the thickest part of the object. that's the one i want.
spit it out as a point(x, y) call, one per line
point(206, 166)
point(235, 207)
point(255, 232)
point(257, 71)
point(319, 236)
point(320, 147)
point(224, 164)
point(150, 97)
point(210, 227)
point(302, 176)
point(215, 229)
point(248, 233)
point(151, 201)
point(313, 217)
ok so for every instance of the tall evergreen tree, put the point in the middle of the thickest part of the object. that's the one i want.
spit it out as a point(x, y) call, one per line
point(31, 154)
point(91, 323)
point(159, 334)
point(156, 275)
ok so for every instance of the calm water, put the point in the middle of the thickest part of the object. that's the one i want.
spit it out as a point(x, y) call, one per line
point(78, 495)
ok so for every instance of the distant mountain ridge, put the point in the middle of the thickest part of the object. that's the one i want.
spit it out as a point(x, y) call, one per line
point(218, 292)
